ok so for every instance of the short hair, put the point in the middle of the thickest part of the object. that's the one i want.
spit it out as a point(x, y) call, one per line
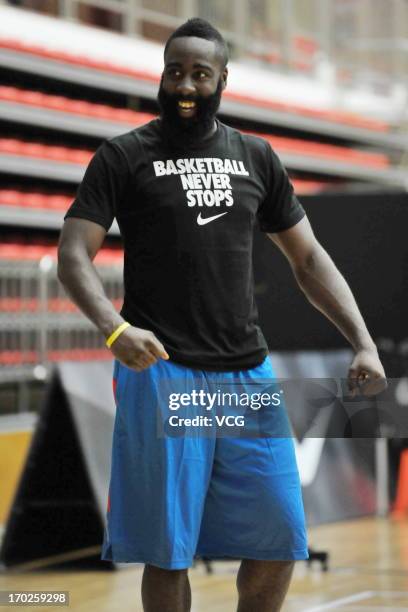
point(201, 29)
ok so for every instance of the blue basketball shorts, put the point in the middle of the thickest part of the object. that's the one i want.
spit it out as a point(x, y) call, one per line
point(184, 487)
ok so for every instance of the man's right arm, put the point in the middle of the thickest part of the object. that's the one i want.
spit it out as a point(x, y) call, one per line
point(80, 240)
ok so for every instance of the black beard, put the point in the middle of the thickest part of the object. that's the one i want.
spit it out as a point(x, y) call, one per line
point(194, 128)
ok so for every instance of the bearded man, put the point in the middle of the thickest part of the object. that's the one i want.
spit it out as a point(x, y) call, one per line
point(187, 191)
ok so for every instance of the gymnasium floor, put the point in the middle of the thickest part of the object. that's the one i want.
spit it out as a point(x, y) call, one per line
point(368, 573)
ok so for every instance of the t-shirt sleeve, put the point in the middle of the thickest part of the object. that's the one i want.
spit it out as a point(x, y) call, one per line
point(281, 209)
point(102, 186)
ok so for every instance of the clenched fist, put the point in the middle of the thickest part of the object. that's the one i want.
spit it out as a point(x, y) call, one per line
point(138, 348)
point(366, 374)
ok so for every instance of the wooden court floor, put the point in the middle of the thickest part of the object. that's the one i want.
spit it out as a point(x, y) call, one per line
point(368, 573)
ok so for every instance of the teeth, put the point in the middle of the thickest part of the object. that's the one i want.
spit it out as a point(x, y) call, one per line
point(187, 104)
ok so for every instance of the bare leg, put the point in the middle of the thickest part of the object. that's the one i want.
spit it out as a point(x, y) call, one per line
point(165, 590)
point(262, 585)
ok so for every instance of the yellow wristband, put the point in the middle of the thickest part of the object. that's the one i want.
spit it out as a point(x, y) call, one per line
point(116, 333)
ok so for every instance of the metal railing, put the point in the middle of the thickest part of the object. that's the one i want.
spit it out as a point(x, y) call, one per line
point(39, 324)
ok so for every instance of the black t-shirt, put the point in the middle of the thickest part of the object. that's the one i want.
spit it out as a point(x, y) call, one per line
point(187, 216)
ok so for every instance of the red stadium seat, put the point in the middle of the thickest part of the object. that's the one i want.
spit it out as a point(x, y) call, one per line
point(18, 251)
point(346, 118)
point(281, 144)
point(102, 111)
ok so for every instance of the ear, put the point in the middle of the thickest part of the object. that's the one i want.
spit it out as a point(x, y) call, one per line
point(224, 77)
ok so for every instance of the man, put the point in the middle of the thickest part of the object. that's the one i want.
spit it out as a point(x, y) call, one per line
point(186, 191)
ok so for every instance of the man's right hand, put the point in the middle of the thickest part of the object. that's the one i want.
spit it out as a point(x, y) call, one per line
point(138, 348)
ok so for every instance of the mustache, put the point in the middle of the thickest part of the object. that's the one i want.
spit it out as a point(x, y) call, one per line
point(175, 98)
point(206, 104)
point(186, 98)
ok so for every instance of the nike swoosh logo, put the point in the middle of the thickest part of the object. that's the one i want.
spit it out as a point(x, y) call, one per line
point(202, 221)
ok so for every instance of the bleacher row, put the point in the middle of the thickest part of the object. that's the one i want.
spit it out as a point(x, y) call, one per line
point(15, 251)
point(80, 156)
point(64, 57)
point(21, 357)
point(83, 108)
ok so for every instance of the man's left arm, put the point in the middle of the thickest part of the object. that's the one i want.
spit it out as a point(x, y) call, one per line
point(325, 288)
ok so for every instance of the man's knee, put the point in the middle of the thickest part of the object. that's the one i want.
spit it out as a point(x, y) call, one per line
point(255, 576)
point(173, 574)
